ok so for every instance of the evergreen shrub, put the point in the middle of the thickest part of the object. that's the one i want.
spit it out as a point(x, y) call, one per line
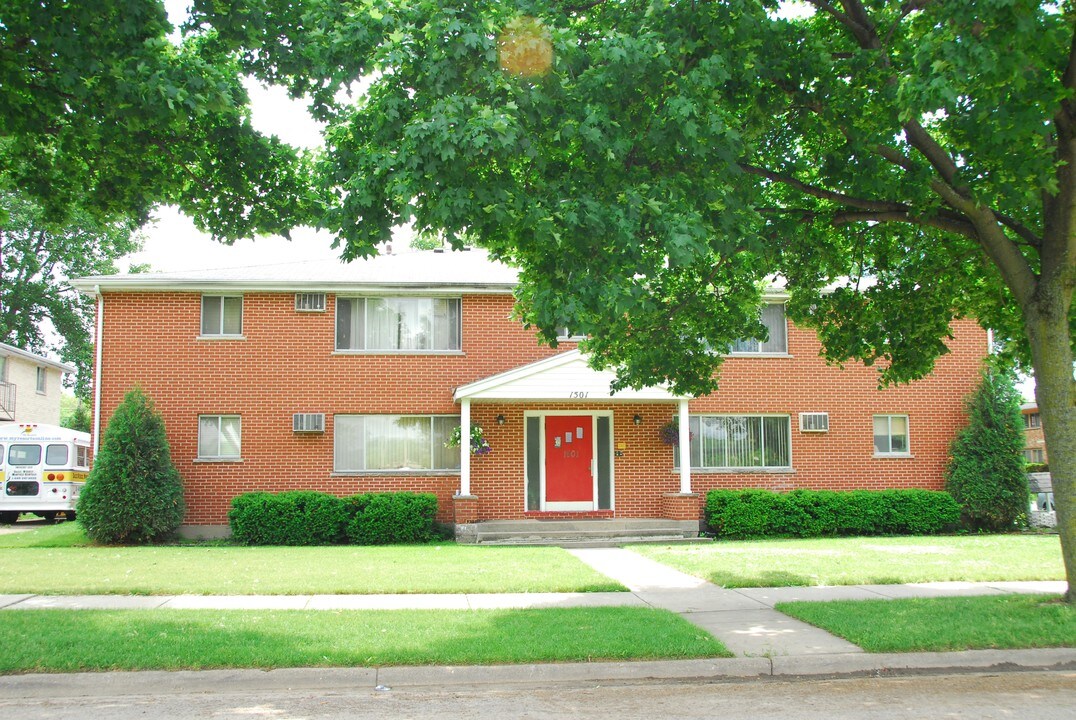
point(744, 514)
point(986, 472)
point(295, 517)
point(134, 493)
point(392, 518)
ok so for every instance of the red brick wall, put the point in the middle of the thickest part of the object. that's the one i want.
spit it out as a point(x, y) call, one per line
point(287, 364)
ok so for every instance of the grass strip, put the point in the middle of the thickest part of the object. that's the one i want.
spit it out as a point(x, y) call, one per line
point(97, 640)
point(866, 560)
point(200, 570)
point(944, 624)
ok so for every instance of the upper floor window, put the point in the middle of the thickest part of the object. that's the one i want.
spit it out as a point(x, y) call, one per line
point(773, 317)
point(3, 368)
point(394, 442)
point(398, 324)
point(42, 379)
point(740, 441)
point(891, 435)
point(222, 315)
point(1032, 420)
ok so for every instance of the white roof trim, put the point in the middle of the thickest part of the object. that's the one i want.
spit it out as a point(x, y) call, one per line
point(6, 349)
point(562, 378)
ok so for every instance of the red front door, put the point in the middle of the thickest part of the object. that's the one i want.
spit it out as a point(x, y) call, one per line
point(569, 452)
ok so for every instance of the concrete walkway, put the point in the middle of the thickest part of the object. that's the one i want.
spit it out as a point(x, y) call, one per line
point(744, 620)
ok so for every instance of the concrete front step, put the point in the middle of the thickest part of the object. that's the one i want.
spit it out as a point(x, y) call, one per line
point(576, 533)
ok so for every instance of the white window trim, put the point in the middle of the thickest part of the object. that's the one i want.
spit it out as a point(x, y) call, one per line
point(715, 469)
point(220, 458)
point(337, 350)
point(221, 335)
point(908, 438)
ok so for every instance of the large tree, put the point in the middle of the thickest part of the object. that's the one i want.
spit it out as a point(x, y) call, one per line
point(647, 163)
point(101, 110)
point(39, 311)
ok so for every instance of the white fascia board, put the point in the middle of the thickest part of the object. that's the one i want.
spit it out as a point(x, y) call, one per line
point(91, 285)
point(6, 349)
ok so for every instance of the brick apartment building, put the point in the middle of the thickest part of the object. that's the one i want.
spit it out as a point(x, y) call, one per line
point(350, 378)
point(1034, 441)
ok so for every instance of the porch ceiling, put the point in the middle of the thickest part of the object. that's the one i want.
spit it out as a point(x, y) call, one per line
point(563, 377)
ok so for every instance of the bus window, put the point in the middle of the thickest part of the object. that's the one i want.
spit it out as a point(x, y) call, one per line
point(82, 456)
point(56, 455)
point(24, 455)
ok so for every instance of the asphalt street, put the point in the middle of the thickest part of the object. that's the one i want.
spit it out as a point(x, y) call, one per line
point(1039, 695)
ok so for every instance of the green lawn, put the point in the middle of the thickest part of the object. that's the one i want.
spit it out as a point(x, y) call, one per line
point(66, 641)
point(49, 561)
point(868, 560)
point(944, 624)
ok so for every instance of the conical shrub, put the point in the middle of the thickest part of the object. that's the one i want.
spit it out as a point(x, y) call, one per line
point(986, 473)
point(134, 493)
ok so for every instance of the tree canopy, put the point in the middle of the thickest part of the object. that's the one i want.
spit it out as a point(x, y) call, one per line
point(101, 111)
point(39, 311)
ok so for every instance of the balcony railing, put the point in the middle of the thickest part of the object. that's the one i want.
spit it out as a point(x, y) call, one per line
point(7, 401)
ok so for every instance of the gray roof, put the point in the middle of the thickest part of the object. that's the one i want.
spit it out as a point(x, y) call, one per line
point(466, 270)
point(6, 349)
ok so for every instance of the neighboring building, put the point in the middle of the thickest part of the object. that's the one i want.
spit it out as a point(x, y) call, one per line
point(1034, 442)
point(350, 378)
point(30, 386)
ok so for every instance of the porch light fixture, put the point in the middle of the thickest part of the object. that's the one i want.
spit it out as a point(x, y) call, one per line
point(500, 419)
point(638, 419)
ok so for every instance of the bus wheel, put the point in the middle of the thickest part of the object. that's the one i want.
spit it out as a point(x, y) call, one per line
point(8, 518)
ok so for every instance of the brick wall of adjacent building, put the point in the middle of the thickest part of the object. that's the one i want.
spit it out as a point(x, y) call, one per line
point(1034, 440)
point(287, 364)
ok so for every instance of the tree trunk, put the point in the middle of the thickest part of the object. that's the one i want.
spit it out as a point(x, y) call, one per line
point(1047, 326)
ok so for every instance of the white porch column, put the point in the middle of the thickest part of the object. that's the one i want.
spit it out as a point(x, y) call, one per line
point(465, 447)
point(685, 450)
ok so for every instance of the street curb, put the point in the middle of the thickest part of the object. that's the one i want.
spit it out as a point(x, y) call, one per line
point(156, 683)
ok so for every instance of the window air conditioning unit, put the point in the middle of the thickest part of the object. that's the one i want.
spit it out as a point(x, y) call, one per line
point(814, 422)
point(308, 422)
point(310, 302)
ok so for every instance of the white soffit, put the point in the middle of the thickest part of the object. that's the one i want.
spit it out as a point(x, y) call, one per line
point(565, 377)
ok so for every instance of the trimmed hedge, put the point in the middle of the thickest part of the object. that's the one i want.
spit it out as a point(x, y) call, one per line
point(297, 517)
point(810, 513)
point(306, 517)
point(391, 518)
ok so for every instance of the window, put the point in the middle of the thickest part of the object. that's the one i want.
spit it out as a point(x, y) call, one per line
point(773, 317)
point(740, 441)
point(222, 315)
point(394, 442)
point(1032, 420)
point(24, 455)
point(3, 368)
point(42, 379)
point(891, 435)
point(565, 333)
point(1034, 455)
point(82, 456)
point(219, 437)
point(56, 455)
point(310, 302)
point(398, 324)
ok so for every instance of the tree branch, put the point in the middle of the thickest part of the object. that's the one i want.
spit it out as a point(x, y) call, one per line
point(821, 193)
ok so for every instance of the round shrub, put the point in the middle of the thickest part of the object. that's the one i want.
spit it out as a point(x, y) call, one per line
point(133, 493)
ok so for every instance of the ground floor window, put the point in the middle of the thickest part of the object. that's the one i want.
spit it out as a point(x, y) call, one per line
point(890, 434)
point(742, 442)
point(1034, 455)
point(219, 437)
point(394, 442)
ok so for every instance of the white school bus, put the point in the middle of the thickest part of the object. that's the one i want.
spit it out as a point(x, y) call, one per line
point(42, 470)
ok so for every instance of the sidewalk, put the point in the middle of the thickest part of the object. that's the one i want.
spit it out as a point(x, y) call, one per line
point(744, 619)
